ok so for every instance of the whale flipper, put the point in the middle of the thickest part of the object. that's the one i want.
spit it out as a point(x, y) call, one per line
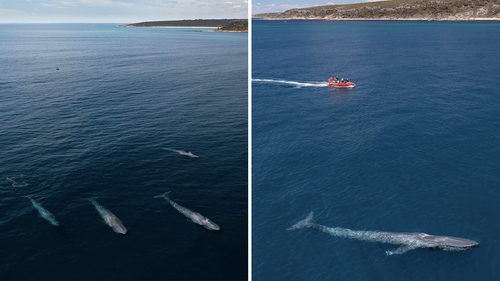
point(399, 251)
point(303, 223)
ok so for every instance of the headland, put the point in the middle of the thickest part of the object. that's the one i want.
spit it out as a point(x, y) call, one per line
point(238, 26)
point(438, 10)
point(218, 24)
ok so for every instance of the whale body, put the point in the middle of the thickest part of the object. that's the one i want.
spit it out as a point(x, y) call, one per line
point(44, 212)
point(110, 219)
point(188, 154)
point(182, 152)
point(194, 216)
point(407, 241)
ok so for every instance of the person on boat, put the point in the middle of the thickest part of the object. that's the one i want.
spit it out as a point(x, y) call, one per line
point(342, 80)
point(347, 80)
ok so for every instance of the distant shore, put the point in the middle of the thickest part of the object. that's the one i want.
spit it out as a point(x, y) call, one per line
point(225, 25)
point(213, 23)
point(210, 28)
point(220, 30)
point(400, 10)
point(171, 26)
point(379, 19)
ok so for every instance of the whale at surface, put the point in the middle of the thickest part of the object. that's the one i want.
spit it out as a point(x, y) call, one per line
point(109, 218)
point(44, 212)
point(407, 241)
point(182, 152)
point(190, 154)
point(194, 216)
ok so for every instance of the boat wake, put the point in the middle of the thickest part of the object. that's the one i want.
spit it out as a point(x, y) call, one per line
point(292, 83)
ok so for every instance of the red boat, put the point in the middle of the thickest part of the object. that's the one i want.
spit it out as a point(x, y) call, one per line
point(344, 84)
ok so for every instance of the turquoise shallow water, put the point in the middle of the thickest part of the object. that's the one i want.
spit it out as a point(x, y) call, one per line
point(99, 127)
point(414, 147)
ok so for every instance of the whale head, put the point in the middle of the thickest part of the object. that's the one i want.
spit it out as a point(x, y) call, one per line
point(448, 243)
point(208, 224)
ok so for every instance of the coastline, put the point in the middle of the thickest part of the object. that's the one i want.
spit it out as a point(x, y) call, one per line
point(170, 26)
point(381, 19)
point(208, 28)
point(400, 10)
point(224, 25)
point(218, 30)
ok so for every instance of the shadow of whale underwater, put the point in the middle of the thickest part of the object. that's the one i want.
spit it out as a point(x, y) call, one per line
point(407, 241)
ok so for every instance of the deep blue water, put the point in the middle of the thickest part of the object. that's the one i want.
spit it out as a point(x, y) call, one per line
point(99, 127)
point(414, 147)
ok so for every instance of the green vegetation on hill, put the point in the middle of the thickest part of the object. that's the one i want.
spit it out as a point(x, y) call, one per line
point(399, 9)
point(236, 26)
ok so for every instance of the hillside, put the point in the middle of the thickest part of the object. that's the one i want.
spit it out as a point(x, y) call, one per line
point(241, 26)
point(185, 23)
point(398, 10)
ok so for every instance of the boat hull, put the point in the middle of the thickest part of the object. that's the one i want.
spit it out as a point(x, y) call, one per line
point(342, 85)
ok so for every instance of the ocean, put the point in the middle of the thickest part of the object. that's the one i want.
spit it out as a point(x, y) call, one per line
point(96, 111)
point(413, 147)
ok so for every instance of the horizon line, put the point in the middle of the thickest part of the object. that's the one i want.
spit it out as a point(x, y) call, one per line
point(118, 22)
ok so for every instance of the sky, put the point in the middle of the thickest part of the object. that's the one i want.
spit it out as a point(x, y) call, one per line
point(272, 6)
point(118, 11)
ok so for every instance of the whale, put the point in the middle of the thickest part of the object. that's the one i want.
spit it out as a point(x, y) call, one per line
point(182, 152)
point(406, 241)
point(192, 215)
point(44, 212)
point(109, 218)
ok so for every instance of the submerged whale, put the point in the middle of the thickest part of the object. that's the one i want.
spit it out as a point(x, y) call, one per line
point(44, 212)
point(109, 218)
point(407, 241)
point(194, 216)
point(182, 152)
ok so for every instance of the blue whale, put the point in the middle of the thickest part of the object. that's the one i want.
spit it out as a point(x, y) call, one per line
point(406, 241)
point(194, 216)
point(44, 212)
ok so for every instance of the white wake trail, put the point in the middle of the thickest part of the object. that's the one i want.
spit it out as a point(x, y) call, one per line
point(292, 83)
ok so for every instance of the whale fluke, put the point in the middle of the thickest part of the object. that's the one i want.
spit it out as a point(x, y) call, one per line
point(303, 223)
point(164, 195)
